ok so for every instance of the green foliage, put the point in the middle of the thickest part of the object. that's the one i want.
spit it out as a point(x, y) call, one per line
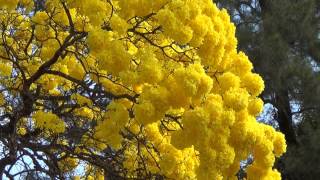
point(282, 39)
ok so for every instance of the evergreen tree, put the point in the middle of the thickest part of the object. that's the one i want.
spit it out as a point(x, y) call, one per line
point(282, 39)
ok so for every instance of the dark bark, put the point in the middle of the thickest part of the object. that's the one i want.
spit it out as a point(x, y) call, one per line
point(3, 163)
point(284, 116)
point(314, 51)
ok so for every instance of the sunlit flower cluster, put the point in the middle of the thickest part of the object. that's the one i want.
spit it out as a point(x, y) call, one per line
point(178, 96)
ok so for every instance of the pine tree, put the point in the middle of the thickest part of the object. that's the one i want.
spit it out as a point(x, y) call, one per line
point(282, 39)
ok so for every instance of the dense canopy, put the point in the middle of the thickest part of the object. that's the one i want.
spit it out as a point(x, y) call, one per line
point(129, 89)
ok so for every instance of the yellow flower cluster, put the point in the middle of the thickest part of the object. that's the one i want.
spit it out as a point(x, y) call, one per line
point(2, 100)
point(148, 71)
point(81, 100)
point(179, 84)
point(174, 163)
point(218, 84)
point(108, 130)
point(5, 69)
point(12, 4)
point(21, 131)
point(40, 18)
point(68, 164)
point(93, 173)
point(96, 10)
point(131, 8)
point(268, 145)
point(102, 45)
point(8, 4)
point(48, 121)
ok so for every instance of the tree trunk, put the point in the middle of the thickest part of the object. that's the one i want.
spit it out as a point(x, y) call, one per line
point(284, 116)
point(281, 100)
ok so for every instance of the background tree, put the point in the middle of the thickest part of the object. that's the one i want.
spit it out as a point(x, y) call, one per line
point(128, 89)
point(282, 39)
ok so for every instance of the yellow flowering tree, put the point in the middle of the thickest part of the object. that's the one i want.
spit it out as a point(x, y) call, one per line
point(133, 89)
